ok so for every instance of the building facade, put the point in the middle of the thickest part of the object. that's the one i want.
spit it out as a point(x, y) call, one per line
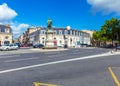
point(5, 34)
point(26, 35)
point(91, 35)
point(62, 36)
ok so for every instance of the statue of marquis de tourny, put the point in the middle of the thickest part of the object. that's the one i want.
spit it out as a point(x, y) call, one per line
point(49, 24)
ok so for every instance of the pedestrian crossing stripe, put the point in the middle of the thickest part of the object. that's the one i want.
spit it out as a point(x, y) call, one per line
point(43, 84)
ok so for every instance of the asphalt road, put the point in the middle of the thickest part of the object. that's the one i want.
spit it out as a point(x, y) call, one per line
point(73, 67)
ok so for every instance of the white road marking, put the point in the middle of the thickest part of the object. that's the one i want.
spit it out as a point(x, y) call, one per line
point(56, 55)
point(21, 59)
point(81, 52)
point(6, 56)
point(67, 54)
point(55, 62)
point(52, 52)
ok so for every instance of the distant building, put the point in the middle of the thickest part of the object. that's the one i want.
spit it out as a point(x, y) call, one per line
point(5, 34)
point(19, 39)
point(26, 35)
point(90, 32)
point(62, 36)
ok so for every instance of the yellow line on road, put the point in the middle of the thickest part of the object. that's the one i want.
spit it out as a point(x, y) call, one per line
point(43, 84)
point(114, 76)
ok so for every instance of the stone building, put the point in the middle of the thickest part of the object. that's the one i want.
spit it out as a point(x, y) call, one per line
point(25, 39)
point(5, 34)
point(61, 36)
point(91, 34)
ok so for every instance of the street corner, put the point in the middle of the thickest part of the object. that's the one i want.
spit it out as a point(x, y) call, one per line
point(43, 84)
point(115, 52)
point(115, 74)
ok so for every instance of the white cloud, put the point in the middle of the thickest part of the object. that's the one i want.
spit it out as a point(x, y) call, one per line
point(6, 13)
point(18, 29)
point(105, 6)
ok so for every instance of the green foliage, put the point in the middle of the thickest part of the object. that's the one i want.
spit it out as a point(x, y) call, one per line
point(109, 31)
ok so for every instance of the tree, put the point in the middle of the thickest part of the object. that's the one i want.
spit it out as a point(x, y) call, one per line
point(97, 38)
point(110, 31)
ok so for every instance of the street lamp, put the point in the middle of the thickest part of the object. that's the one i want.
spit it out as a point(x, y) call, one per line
point(65, 38)
point(68, 28)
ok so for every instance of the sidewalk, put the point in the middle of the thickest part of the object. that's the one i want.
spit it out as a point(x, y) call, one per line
point(115, 52)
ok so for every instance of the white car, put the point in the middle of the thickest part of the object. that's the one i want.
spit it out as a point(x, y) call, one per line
point(9, 47)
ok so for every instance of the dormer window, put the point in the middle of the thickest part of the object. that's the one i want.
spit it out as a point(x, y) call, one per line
point(7, 30)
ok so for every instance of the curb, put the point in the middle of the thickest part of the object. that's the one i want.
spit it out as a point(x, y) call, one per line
point(48, 50)
point(114, 52)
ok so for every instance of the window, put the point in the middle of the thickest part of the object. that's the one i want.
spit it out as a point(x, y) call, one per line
point(65, 32)
point(70, 39)
point(76, 33)
point(81, 33)
point(2, 29)
point(54, 38)
point(69, 32)
point(43, 38)
point(60, 42)
point(73, 32)
point(60, 32)
point(43, 42)
point(7, 30)
point(57, 32)
point(42, 31)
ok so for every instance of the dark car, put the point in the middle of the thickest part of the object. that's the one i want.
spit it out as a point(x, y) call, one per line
point(18, 44)
point(65, 46)
point(118, 47)
point(38, 46)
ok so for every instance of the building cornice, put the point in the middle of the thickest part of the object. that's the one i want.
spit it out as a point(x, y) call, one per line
point(1, 33)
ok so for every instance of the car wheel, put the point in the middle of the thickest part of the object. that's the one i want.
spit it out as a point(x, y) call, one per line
point(7, 49)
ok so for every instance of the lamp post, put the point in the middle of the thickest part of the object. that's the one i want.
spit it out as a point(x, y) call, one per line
point(66, 38)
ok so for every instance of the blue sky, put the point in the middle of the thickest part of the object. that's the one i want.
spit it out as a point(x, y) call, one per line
point(78, 14)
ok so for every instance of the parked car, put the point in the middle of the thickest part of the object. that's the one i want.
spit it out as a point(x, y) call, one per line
point(84, 45)
point(24, 45)
point(65, 46)
point(38, 46)
point(18, 44)
point(118, 47)
point(60, 46)
point(9, 47)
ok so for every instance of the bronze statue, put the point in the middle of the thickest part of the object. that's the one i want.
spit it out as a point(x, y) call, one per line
point(49, 24)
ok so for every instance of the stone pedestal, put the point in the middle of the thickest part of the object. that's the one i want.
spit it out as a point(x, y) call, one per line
point(49, 43)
